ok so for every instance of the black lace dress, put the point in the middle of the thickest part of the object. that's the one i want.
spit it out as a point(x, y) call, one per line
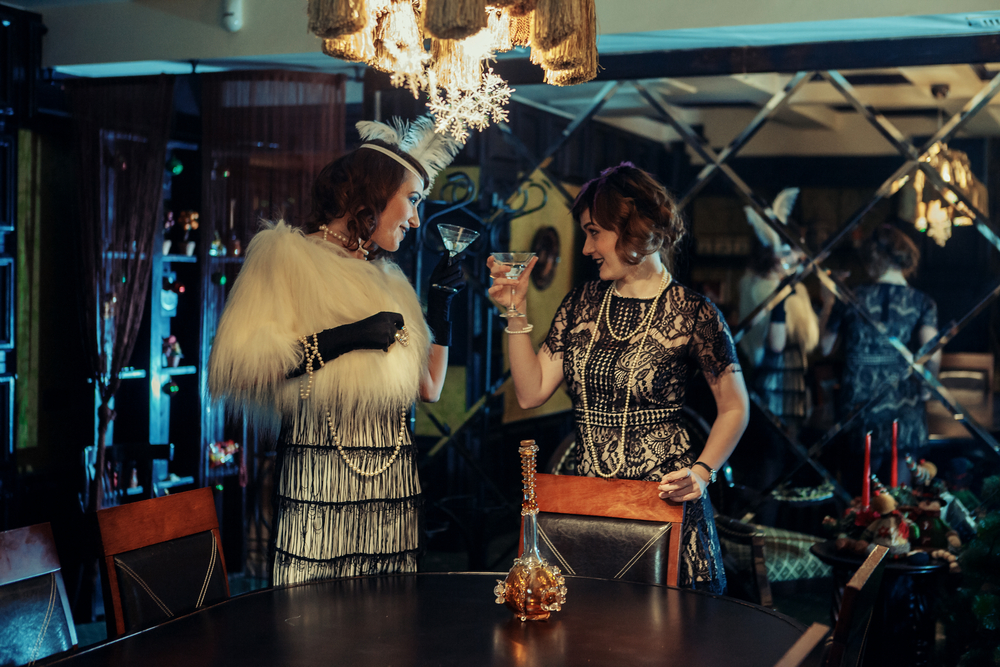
point(686, 333)
point(873, 366)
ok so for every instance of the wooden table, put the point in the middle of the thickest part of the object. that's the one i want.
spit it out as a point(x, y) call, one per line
point(902, 627)
point(452, 619)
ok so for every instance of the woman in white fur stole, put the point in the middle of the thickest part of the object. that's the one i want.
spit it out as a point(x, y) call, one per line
point(324, 335)
point(778, 347)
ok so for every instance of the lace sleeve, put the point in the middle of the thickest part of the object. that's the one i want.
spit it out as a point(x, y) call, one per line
point(555, 340)
point(712, 343)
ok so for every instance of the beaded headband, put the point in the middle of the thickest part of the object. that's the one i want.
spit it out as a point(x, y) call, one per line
point(386, 151)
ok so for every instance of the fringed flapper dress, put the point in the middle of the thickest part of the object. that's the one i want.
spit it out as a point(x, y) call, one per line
point(332, 520)
point(686, 333)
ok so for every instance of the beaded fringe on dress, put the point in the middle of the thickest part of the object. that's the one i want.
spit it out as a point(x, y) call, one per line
point(333, 522)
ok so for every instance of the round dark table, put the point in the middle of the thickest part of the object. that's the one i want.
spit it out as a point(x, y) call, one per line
point(902, 626)
point(452, 619)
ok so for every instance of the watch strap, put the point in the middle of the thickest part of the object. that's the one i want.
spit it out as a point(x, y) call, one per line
point(711, 472)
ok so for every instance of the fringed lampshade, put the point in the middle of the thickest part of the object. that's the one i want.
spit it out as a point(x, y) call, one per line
point(463, 36)
point(336, 18)
point(454, 19)
point(575, 60)
point(555, 21)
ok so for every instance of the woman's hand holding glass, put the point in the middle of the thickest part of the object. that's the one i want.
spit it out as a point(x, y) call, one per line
point(511, 293)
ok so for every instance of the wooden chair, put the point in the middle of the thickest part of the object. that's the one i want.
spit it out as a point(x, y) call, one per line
point(848, 643)
point(746, 574)
point(806, 650)
point(35, 617)
point(160, 558)
point(609, 528)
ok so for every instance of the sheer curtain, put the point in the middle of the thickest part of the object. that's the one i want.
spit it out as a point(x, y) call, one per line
point(266, 135)
point(121, 128)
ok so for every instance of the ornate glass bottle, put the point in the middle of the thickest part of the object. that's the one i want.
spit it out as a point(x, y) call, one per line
point(533, 588)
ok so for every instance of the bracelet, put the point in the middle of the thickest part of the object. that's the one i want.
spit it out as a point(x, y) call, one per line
point(524, 330)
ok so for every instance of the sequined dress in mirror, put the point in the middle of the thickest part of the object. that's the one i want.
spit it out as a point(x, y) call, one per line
point(686, 334)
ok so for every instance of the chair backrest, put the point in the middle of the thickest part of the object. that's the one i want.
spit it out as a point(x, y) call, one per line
point(743, 555)
point(160, 558)
point(35, 617)
point(611, 528)
point(806, 649)
point(848, 644)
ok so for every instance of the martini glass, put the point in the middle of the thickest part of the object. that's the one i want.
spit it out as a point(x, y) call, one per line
point(456, 239)
point(515, 263)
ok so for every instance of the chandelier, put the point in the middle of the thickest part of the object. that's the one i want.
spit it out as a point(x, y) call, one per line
point(935, 212)
point(443, 48)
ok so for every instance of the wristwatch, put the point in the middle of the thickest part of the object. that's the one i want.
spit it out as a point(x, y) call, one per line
point(711, 473)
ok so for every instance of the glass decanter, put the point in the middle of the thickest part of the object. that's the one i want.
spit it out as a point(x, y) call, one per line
point(533, 588)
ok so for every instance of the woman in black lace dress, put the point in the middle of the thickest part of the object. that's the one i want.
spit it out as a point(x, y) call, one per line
point(626, 346)
point(872, 365)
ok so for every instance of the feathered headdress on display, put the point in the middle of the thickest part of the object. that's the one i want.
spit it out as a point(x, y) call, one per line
point(432, 150)
point(781, 208)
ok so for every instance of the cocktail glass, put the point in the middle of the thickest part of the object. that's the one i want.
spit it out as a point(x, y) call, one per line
point(456, 239)
point(515, 263)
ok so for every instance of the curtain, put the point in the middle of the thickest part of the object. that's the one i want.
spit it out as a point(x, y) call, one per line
point(121, 128)
point(266, 136)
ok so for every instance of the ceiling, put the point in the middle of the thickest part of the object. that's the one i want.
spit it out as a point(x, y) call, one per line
point(816, 121)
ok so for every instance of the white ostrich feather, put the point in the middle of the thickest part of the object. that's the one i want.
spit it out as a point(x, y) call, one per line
point(784, 203)
point(780, 209)
point(764, 232)
point(432, 150)
point(373, 129)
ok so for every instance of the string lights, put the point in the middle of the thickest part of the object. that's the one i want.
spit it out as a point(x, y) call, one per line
point(442, 48)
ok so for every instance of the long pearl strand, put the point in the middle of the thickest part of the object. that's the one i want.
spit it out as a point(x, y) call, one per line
point(311, 349)
point(588, 440)
point(354, 466)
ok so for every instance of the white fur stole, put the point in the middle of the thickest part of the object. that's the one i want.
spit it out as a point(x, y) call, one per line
point(292, 286)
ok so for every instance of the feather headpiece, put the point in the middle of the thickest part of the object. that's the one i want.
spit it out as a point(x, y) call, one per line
point(781, 208)
point(432, 150)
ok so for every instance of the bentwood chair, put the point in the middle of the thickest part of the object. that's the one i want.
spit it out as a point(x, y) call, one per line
point(746, 577)
point(609, 528)
point(35, 618)
point(849, 634)
point(160, 558)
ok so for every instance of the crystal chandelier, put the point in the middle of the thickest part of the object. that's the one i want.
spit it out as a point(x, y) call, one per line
point(442, 48)
point(935, 212)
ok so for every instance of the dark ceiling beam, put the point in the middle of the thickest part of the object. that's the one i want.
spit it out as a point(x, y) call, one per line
point(845, 55)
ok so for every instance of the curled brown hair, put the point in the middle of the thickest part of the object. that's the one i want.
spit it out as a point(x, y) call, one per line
point(628, 201)
point(891, 248)
point(358, 186)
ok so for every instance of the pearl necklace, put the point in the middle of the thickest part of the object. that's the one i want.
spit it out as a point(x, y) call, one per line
point(588, 440)
point(354, 466)
point(346, 242)
point(607, 315)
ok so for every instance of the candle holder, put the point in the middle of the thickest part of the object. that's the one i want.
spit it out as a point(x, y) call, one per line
point(533, 588)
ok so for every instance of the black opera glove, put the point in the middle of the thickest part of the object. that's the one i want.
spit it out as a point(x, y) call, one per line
point(377, 332)
point(446, 281)
point(778, 312)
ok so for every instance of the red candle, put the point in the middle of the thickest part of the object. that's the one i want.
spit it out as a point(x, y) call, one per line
point(866, 485)
point(894, 473)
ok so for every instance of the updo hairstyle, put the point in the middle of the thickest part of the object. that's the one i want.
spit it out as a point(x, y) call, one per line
point(891, 248)
point(628, 201)
point(358, 186)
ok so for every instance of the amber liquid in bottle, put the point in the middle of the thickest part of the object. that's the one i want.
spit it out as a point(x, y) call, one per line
point(533, 588)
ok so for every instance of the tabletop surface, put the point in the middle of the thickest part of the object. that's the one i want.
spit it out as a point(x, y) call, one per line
point(827, 552)
point(452, 619)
